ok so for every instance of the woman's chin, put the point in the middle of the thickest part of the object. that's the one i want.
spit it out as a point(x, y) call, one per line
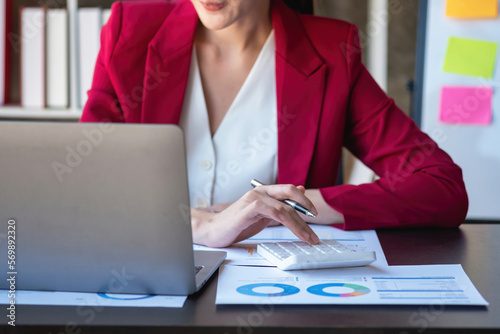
point(212, 24)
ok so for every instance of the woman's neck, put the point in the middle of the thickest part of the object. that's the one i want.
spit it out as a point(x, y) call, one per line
point(249, 32)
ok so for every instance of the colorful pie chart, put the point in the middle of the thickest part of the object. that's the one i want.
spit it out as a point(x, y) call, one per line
point(357, 290)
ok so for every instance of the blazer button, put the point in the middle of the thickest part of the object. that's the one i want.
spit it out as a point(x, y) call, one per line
point(201, 203)
point(206, 165)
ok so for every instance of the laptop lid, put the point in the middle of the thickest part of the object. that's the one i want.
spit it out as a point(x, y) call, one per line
point(97, 208)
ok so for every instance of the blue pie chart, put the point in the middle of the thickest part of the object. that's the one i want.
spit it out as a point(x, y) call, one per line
point(105, 295)
point(249, 290)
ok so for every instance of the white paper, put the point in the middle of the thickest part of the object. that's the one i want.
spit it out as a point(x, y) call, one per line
point(283, 233)
point(395, 285)
point(240, 254)
point(245, 253)
point(92, 299)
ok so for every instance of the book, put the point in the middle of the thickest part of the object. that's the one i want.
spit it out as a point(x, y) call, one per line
point(74, 75)
point(3, 50)
point(32, 59)
point(57, 81)
point(89, 28)
point(106, 14)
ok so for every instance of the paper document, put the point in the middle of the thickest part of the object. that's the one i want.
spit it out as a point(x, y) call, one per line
point(395, 285)
point(323, 231)
point(92, 299)
point(240, 254)
point(245, 253)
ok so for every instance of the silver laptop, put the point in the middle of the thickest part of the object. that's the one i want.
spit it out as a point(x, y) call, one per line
point(97, 208)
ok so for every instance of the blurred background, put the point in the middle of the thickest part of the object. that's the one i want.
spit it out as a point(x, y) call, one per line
point(402, 30)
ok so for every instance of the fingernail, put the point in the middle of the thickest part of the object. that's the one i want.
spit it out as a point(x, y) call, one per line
point(306, 236)
point(314, 238)
point(281, 217)
point(314, 211)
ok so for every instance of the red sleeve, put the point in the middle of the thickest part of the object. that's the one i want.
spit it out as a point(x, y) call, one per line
point(419, 184)
point(103, 104)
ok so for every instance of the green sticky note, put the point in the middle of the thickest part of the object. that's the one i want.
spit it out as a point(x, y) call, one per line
point(471, 57)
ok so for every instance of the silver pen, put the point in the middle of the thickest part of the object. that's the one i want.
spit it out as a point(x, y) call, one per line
point(296, 206)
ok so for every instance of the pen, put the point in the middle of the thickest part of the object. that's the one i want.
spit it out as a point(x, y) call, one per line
point(296, 206)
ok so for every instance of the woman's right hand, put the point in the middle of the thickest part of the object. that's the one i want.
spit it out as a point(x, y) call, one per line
point(251, 214)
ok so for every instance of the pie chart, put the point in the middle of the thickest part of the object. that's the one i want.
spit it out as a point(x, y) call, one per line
point(268, 290)
point(357, 290)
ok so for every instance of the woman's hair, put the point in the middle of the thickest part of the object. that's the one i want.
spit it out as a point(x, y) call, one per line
point(303, 6)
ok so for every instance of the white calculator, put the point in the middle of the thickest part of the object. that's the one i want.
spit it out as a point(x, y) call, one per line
point(292, 255)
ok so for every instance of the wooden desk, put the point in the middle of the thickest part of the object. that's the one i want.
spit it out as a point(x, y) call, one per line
point(476, 247)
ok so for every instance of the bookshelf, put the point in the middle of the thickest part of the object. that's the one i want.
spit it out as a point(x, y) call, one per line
point(13, 110)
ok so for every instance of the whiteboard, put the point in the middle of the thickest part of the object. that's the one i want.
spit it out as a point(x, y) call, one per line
point(475, 148)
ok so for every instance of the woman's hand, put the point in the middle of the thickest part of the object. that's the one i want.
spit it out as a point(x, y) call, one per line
point(250, 215)
point(216, 208)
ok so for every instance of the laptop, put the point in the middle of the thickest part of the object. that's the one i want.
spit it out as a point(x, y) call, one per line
point(98, 208)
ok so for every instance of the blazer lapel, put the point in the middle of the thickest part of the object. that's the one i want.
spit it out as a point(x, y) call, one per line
point(300, 84)
point(167, 66)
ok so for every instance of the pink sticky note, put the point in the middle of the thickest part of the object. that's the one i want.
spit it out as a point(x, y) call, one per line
point(466, 105)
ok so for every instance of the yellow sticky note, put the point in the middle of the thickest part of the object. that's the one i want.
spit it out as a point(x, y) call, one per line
point(471, 57)
point(472, 9)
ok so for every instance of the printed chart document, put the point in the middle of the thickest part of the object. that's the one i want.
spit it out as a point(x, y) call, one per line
point(92, 299)
point(245, 253)
point(394, 285)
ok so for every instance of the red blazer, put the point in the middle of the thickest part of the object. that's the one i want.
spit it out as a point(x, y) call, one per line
point(326, 100)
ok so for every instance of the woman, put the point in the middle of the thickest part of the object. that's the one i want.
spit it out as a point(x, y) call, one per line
point(264, 92)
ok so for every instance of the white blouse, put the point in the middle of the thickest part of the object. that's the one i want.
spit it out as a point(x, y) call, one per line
point(245, 144)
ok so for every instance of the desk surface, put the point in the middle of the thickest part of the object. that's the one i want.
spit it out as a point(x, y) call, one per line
point(473, 246)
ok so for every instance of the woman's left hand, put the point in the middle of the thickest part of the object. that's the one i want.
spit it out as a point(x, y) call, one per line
point(250, 214)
